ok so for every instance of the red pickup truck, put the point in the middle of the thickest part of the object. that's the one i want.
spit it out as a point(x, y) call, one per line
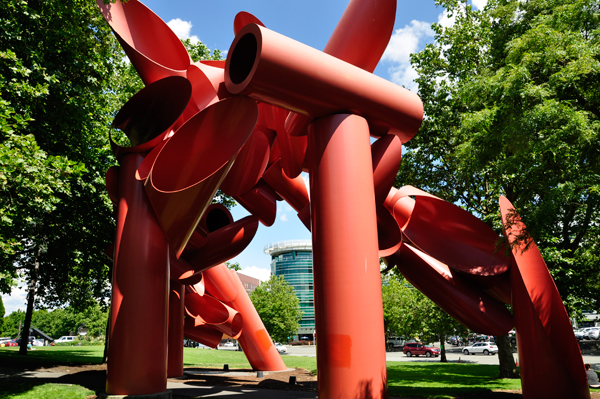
point(418, 348)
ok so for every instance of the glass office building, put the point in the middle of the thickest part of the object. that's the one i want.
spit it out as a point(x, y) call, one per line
point(293, 261)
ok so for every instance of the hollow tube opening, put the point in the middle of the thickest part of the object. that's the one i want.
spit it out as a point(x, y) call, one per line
point(216, 219)
point(243, 58)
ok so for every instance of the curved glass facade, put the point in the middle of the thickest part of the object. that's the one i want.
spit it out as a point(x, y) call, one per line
point(293, 261)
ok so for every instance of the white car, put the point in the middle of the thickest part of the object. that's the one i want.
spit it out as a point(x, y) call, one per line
point(593, 333)
point(481, 347)
point(280, 348)
point(584, 333)
point(579, 334)
point(65, 338)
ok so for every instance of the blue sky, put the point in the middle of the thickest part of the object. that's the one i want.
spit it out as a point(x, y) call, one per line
point(310, 22)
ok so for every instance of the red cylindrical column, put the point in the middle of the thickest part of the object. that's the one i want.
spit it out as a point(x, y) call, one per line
point(137, 353)
point(176, 313)
point(348, 311)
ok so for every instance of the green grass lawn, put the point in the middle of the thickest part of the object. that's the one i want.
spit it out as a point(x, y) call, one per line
point(444, 380)
point(414, 379)
point(45, 391)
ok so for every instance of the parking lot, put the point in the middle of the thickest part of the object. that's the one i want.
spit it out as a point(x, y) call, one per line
point(453, 354)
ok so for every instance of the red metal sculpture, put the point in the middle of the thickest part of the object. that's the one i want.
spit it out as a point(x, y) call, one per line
point(250, 126)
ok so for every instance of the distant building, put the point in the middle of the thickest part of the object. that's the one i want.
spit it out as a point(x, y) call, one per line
point(249, 283)
point(293, 261)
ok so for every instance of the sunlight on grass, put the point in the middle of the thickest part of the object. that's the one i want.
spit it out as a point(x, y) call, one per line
point(194, 357)
point(46, 391)
point(444, 380)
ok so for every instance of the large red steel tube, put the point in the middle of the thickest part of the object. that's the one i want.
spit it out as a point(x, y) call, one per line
point(360, 38)
point(176, 313)
point(214, 312)
point(223, 244)
point(197, 330)
point(219, 283)
point(387, 155)
point(137, 363)
point(541, 321)
point(272, 68)
point(225, 285)
point(255, 339)
point(291, 190)
point(351, 351)
point(260, 201)
point(363, 32)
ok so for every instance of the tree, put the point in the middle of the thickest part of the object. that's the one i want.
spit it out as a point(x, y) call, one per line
point(401, 307)
point(440, 324)
point(2, 313)
point(511, 108)
point(55, 62)
point(233, 266)
point(278, 307)
point(409, 313)
point(12, 322)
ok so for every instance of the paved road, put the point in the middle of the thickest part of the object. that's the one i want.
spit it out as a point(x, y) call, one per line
point(453, 354)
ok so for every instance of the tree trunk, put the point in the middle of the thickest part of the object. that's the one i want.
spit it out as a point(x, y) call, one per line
point(30, 300)
point(508, 368)
point(105, 355)
point(443, 348)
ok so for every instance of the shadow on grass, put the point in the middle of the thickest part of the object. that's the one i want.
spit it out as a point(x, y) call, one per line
point(448, 380)
point(17, 383)
point(51, 357)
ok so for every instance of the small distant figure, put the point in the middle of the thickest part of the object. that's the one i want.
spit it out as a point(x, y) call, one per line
point(592, 377)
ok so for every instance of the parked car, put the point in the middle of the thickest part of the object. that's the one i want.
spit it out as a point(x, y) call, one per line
point(579, 333)
point(593, 333)
point(229, 344)
point(12, 342)
point(419, 348)
point(585, 332)
point(395, 342)
point(481, 347)
point(65, 338)
point(280, 347)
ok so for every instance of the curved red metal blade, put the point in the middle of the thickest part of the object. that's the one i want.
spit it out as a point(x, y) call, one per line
point(188, 170)
point(153, 48)
point(541, 321)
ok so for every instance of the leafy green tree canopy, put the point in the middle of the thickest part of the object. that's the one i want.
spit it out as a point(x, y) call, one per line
point(512, 108)
point(278, 307)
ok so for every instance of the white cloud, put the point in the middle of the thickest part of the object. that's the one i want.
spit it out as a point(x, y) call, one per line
point(479, 4)
point(403, 42)
point(182, 29)
point(283, 217)
point(257, 272)
point(306, 179)
point(16, 300)
point(445, 21)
